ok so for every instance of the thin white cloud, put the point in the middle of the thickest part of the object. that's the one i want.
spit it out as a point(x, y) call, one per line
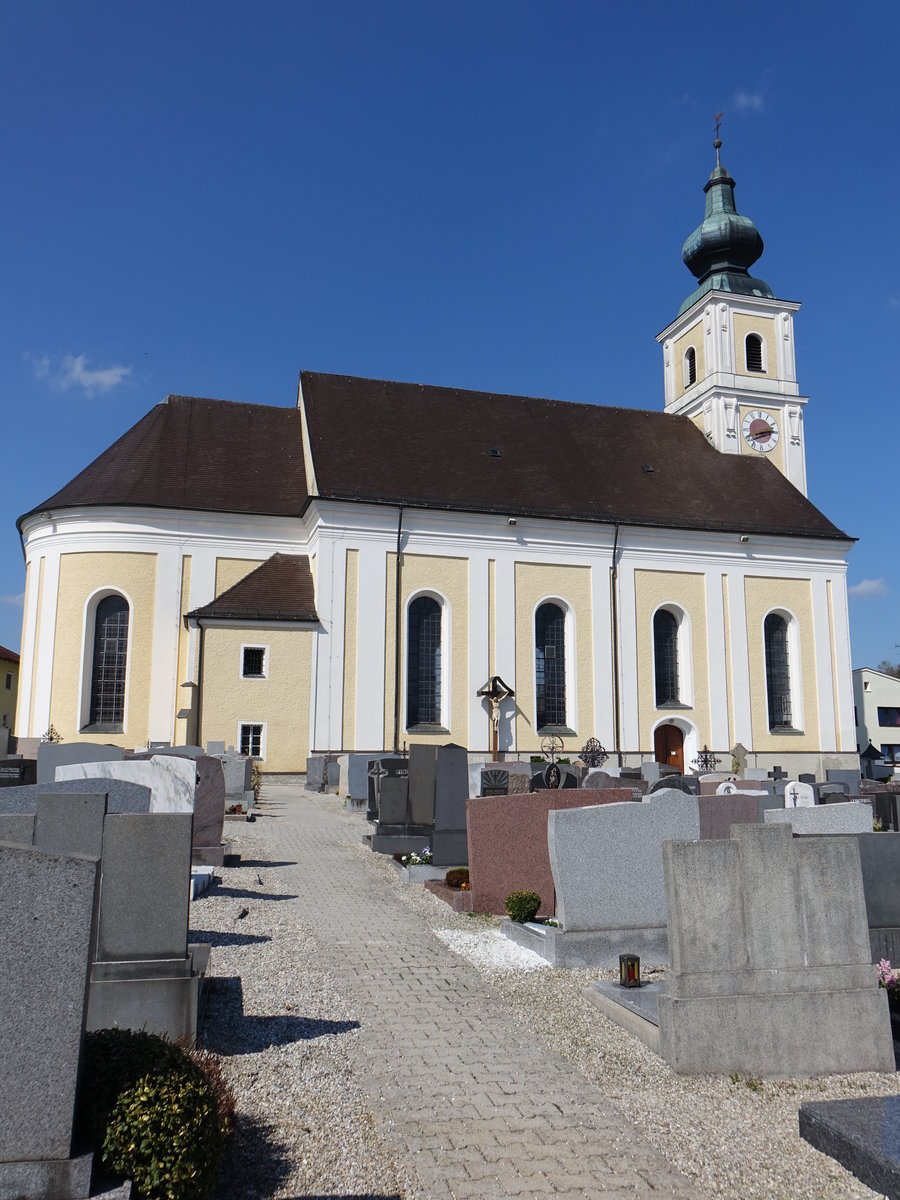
point(748, 101)
point(17, 600)
point(893, 301)
point(868, 587)
point(74, 372)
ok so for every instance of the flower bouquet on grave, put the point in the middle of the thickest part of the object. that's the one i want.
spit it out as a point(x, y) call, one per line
point(422, 859)
point(889, 979)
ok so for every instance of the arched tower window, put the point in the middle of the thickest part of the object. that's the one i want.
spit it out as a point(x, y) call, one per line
point(423, 663)
point(665, 656)
point(690, 367)
point(110, 659)
point(550, 665)
point(778, 672)
point(754, 350)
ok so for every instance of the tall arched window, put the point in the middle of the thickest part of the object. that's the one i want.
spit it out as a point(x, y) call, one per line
point(665, 656)
point(107, 707)
point(550, 664)
point(754, 349)
point(690, 367)
point(423, 663)
point(778, 672)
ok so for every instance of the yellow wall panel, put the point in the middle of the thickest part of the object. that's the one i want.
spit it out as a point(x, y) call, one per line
point(794, 595)
point(230, 571)
point(692, 337)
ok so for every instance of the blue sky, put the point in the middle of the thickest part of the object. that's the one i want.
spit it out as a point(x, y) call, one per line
point(207, 198)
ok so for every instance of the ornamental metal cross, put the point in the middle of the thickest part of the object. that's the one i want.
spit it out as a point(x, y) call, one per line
point(718, 119)
point(593, 754)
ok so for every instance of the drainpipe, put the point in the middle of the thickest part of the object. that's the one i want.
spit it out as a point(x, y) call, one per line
point(614, 584)
point(397, 630)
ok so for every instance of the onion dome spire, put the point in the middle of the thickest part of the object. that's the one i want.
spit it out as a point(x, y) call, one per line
point(722, 248)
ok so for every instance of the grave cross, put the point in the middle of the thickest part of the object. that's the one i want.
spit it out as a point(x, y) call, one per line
point(776, 773)
point(792, 795)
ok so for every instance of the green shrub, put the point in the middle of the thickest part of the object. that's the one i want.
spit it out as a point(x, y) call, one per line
point(456, 877)
point(157, 1112)
point(522, 906)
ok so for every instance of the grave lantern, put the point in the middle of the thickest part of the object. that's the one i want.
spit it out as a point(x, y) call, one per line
point(629, 970)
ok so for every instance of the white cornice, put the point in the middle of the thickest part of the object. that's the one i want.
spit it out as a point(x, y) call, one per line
point(736, 302)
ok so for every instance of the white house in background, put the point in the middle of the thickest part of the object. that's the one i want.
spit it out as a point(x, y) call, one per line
point(876, 697)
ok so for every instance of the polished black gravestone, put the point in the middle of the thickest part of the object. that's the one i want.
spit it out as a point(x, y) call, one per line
point(863, 1135)
point(18, 772)
point(394, 833)
point(495, 782)
point(451, 790)
point(681, 783)
point(553, 776)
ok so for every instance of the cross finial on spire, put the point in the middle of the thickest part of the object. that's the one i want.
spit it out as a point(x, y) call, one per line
point(718, 142)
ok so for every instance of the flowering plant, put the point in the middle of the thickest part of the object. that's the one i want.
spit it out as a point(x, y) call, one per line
point(889, 978)
point(417, 860)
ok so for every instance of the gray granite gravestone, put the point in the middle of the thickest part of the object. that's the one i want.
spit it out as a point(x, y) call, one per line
point(756, 773)
point(332, 776)
point(357, 775)
point(651, 772)
point(209, 813)
point(17, 828)
point(17, 772)
point(862, 1134)
point(63, 754)
point(451, 790)
point(393, 791)
point(836, 789)
point(422, 784)
point(607, 871)
point(49, 905)
point(806, 777)
point(142, 977)
point(850, 778)
point(70, 824)
point(178, 751)
point(852, 817)
point(238, 770)
point(121, 794)
point(216, 749)
point(791, 997)
point(19, 799)
point(315, 772)
point(879, 855)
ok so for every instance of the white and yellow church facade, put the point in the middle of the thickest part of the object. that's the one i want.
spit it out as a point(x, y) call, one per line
point(349, 573)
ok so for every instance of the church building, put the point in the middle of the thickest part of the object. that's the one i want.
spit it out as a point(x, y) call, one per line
point(351, 573)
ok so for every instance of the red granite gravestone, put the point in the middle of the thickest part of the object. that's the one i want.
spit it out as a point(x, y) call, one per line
point(719, 813)
point(507, 838)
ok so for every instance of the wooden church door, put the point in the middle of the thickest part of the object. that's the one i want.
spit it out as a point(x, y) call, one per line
point(668, 746)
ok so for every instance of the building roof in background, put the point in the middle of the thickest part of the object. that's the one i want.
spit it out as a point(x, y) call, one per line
point(280, 589)
point(441, 448)
point(8, 655)
point(434, 447)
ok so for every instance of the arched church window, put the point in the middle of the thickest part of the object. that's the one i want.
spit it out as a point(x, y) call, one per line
point(754, 349)
point(665, 656)
point(550, 664)
point(778, 671)
point(690, 367)
point(110, 659)
point(423, 663)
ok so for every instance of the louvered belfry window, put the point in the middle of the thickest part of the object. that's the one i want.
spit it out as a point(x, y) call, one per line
point(110, 660)
point(690, 367)
point(778, 672)
point(423, 670)
point(665, 653)
point(550, 665)
point(754, 352)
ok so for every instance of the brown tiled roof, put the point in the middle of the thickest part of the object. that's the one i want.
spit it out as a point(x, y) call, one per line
point(199, 454)
point(8, 655)
point(279, 589)
point(430, 447)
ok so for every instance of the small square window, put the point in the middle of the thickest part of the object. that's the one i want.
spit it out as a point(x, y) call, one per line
point(251, 740)
point(254, 662)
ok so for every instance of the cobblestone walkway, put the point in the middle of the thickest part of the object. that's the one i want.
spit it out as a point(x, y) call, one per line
point(478, 1108)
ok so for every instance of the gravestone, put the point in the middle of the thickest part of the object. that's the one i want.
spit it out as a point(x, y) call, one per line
point(171, 780)
point(343, 763)
point(373, 777)
point(830, 792)
point(142, 976)
point(70, 824)
point(17, 827)
point(755, 773)
point(209, 813)
point(494, 782)
point(49, 905)
point(799, 795)
point(599, 778)
point(879, 856)
point(719, 813)
point(862, 1134)
point(422, 782)
point(332, 776)
point(554, 776)
point(886, 810)
point(689, 784)
point(829, 818)
point(519, 782)
point(451, 791)
point(608, 874)
point(393, 791)
point(19, 799)
point(217, 749)
point(17, 772)
point(850, 778)
point(357, 775)
point(806, 778)
point(651, 772)
point(747, 994)
point(238, 772)
point(315, 772)
point(51, 755)
point(179, 751)
point(121, 794)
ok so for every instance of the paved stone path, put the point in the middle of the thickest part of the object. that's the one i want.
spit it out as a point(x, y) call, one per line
point(478, 1108)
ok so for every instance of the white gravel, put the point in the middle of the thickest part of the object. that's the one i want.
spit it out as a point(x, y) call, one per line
point(489, 950)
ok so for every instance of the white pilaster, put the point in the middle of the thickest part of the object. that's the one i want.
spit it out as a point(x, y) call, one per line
point(46, 644)
point(716, 654)
point(630, 730)
point(821, 634)
point(479, 737)
point(26, 655)
point(846, 720)
point(330, 570)
point(370, 680)
point(164, 663)
point(505, 631)
point(604, 692)
point(740, 659)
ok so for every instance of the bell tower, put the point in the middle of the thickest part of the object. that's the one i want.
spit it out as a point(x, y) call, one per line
point(729, 354)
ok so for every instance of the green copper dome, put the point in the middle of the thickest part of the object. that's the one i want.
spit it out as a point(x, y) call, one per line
point(721, 249)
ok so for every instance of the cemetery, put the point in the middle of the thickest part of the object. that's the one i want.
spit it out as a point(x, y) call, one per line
point(665, 881)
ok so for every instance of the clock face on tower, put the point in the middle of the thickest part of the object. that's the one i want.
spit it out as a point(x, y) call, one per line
point(760, 430)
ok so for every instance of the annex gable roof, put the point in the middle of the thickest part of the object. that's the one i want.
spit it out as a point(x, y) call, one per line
point(280, 589)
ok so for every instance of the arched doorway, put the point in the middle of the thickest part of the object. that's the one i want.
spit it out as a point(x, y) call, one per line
point(668, 746)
